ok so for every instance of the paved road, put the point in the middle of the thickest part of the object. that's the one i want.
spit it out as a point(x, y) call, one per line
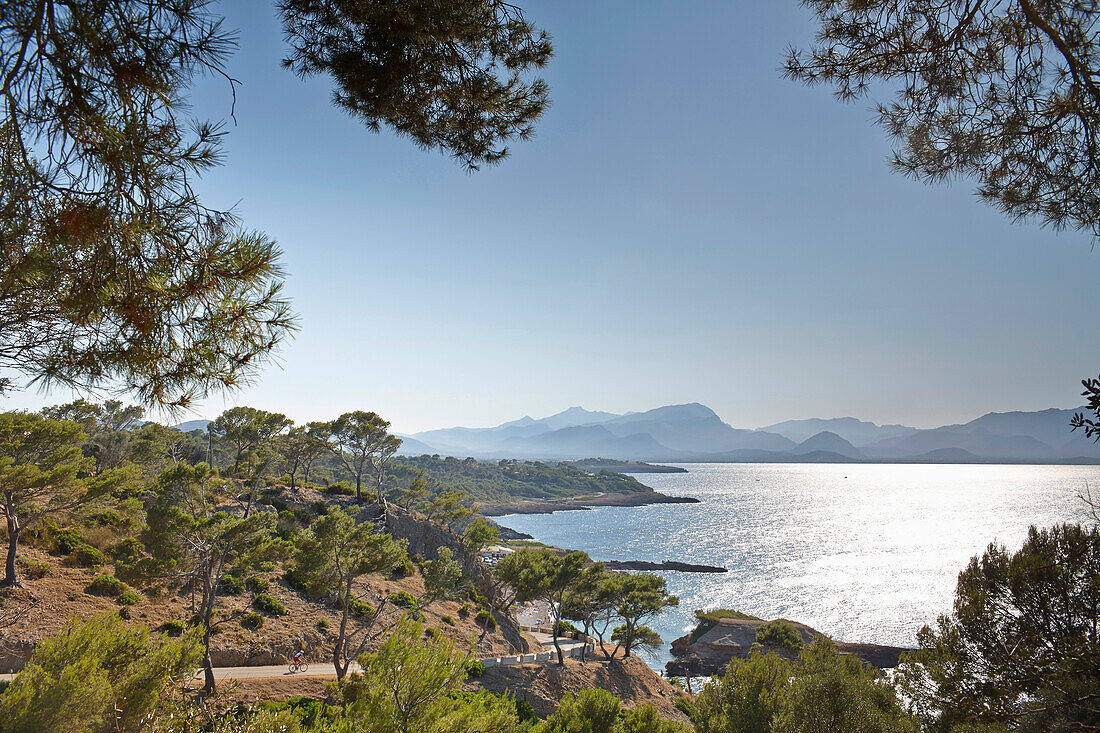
point(324, 669)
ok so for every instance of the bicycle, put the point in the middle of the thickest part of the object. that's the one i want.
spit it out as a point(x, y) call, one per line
point(301, 666)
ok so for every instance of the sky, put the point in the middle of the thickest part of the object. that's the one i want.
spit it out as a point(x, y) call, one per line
point(686, 226)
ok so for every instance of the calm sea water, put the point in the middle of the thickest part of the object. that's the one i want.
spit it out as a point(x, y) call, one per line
point(865, 553)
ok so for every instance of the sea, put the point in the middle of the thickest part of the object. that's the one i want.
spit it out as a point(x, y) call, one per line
point(862, 552)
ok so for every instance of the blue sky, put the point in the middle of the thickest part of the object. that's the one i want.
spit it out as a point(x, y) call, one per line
point(685, 226)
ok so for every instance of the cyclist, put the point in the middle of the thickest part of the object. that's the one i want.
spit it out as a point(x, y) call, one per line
point(298, 657)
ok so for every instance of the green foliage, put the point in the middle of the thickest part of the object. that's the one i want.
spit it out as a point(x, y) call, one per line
point(442, 576)
point(565, 628)
point(475, 668)
point(403, 569)
point(1000, 92)
point(360, 608)
point(107, 518)
point(447, 619)
point(465, 94)
point(173, 627)
point(68, 540)
point(465, 610)
point(779, 633)
point(256, 584)
point(87, 556)
point(252, 621)
point(1020, 648)
point(646, 719)
point(231, 585)
point(323, 625)
point(106, 585)
point(822, 691)
point(405, 684)
point(129, 597)
point(338, 489)
point(592, 711)
point(401, 599)
point(92, 672)
point(508, 481)
point(484, 618)
point(269, 604)
point(479, 534)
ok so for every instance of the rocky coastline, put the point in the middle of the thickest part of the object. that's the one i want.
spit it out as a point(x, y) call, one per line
point(662, 567)
point(580, 503)
point(727, 638)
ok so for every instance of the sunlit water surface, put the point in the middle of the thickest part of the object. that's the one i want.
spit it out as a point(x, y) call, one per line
point(865, 553)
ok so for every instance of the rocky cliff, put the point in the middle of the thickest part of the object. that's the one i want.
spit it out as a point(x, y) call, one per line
point(711, 653)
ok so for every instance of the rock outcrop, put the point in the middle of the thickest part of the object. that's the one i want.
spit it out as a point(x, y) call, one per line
point(711, 653)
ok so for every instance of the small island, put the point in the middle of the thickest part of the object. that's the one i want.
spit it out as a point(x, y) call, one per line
point(611, 464)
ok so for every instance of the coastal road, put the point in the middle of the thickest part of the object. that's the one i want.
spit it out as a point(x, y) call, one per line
point(324, 669)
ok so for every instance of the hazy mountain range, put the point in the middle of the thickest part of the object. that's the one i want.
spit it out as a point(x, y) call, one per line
point(693, 432)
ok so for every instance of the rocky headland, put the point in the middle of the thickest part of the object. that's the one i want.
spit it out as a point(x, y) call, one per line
point(723, 639)
point(575, 503)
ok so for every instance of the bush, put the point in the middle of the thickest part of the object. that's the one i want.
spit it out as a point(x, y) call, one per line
point(108, 518)
point(430, 633)
point(464, 610)
point(779, 633)
point(107, 585)
point(475, 668)
point(172, 628)
point(269, 605)
point(128, 550)
point(230, 585)
point(447, 620)
point(129, 597)
point(252, 621)
point(486, 619)
point(34, 569)
point(525, 711)
point(415, 614)
point(323, 625)
point(707, 620)
point(338, 489)
point(359, 608)
point(565, 628)
point(401, 599)
point(68, 540)
point(87, 556)
point(256, 584)
point(404, 569)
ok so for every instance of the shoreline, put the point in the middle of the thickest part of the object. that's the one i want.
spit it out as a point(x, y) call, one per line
point(581, 503)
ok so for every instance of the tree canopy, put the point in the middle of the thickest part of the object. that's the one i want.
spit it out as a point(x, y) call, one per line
point(115, 273)
point(1006, 93)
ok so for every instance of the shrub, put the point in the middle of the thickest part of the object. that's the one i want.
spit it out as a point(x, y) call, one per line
point(323, 625)
point(87, 556)
point(447, 620)
point(128, 549)
point(338, 489)
point(486, 619)
point(129, 597)
point(107, 585)
point(269, 605)
point(34, 569)
point(359, 608)
point(230, 585)
point(430, 632)
point(525, 711)
point(124, 612)
point(779, 633)
point(404, 569)
point(401, 599)
point(464, 610)
point(256, 584)
point(107, 518)
point(68, 540)
point(707, 620)
point(565, 628)
point(415, 614)
point(173, 627)
point(475, 668)
point(251, 621)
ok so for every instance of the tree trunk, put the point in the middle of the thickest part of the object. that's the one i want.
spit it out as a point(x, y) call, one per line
point(557, 622)
point(210, 686)
point(358, 488)
point(337, 651)
point(11, 580)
